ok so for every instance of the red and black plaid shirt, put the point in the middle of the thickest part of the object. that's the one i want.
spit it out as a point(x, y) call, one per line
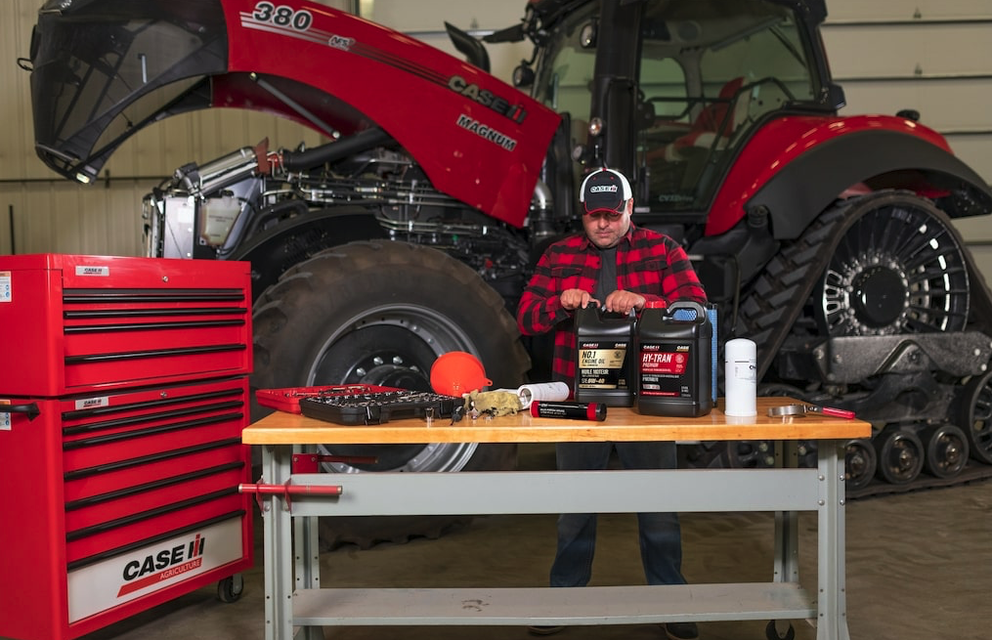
point(648, 262)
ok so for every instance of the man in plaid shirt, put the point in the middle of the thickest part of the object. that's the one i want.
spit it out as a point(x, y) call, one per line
point(620, 267)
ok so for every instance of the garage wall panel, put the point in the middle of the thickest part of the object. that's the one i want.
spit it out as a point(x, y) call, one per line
point(157, 151)
point(61, 217)
point(17, 149)
point(902, 49)
point(929, 98)
point(905, 9)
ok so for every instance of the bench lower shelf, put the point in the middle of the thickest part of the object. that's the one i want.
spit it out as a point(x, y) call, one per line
point(549, 606)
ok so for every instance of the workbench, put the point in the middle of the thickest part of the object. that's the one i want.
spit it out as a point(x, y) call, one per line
point(294, 597)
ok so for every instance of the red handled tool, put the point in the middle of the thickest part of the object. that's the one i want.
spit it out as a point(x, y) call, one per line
point(802, 409)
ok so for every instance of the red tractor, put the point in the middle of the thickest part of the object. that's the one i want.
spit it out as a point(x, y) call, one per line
point(825, 239)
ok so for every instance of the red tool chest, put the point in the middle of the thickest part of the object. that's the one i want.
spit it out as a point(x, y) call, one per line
point(123, 395)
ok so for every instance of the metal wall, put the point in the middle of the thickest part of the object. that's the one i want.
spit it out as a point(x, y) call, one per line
point(933, 56)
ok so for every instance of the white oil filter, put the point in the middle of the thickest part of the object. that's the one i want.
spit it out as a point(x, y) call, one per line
point(546, 391)
point(741, 377)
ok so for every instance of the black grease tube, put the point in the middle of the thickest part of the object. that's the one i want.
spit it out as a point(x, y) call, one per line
point(573, 410)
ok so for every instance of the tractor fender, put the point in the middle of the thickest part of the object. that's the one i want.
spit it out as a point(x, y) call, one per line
point(807, 185)
point(296, 239)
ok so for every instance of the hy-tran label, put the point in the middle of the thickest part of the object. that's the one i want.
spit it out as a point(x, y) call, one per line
point(666, 371)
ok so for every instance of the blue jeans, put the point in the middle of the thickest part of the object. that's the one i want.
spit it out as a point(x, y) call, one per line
point(659, 533)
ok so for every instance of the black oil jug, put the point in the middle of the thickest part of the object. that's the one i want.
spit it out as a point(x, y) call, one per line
point(604, 359)
point(674, 360)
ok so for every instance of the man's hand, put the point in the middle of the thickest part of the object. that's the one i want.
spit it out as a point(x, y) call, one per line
point(572, 299)
point(621, 301)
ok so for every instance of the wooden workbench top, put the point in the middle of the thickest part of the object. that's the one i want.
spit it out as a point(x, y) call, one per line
point(621, 425)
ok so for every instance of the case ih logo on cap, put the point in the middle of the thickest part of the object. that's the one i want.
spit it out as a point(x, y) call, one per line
point(604, 190)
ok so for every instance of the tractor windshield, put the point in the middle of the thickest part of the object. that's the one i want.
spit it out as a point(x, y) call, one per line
point(101, 71)
point(566, 73)
point(709, 71)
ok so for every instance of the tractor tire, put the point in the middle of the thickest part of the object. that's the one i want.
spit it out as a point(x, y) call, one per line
point(885, 264)
point(380, 313)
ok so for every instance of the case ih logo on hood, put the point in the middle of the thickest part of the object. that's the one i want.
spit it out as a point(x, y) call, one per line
point(167, 563)
point(502, 106)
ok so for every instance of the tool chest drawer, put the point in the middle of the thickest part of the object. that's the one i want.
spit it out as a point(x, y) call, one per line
point(141, 502)
point(89, 322)
point(87, 545)
point(162, 466)
point(116, 488)
point(122, 498)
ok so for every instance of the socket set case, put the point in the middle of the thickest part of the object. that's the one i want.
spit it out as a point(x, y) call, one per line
point(288, 398)
point(377, 408)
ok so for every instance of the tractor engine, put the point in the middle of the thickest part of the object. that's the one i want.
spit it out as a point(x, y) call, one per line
point(242, 195)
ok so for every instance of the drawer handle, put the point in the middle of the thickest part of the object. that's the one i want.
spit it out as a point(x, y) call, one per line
point(30, 410)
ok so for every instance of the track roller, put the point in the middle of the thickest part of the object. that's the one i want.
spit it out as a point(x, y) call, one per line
point(860, 463)
point(947, 450)
point(900, 455)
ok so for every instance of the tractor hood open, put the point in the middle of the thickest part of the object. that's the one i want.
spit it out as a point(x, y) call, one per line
point(104, 69)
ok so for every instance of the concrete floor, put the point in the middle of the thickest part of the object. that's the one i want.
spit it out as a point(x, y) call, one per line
point(919, 567)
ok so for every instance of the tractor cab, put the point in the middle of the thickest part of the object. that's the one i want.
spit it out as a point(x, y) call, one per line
point(676, 88)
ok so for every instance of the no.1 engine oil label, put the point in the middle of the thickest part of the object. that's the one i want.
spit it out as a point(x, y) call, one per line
point(602, 365)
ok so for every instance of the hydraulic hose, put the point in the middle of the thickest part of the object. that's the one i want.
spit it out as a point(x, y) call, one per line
point(337, 150)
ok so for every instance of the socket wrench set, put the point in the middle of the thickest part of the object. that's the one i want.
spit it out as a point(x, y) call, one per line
point(288, 398)
point(378, 407)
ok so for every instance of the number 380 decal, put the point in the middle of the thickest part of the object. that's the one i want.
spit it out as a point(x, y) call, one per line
point(283, 16)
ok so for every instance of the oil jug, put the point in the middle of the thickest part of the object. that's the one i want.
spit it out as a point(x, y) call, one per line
point(604, 360)
point(674, 360)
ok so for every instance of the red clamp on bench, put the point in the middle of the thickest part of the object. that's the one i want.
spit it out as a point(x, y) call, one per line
point(309, 462)
point(287, 490)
